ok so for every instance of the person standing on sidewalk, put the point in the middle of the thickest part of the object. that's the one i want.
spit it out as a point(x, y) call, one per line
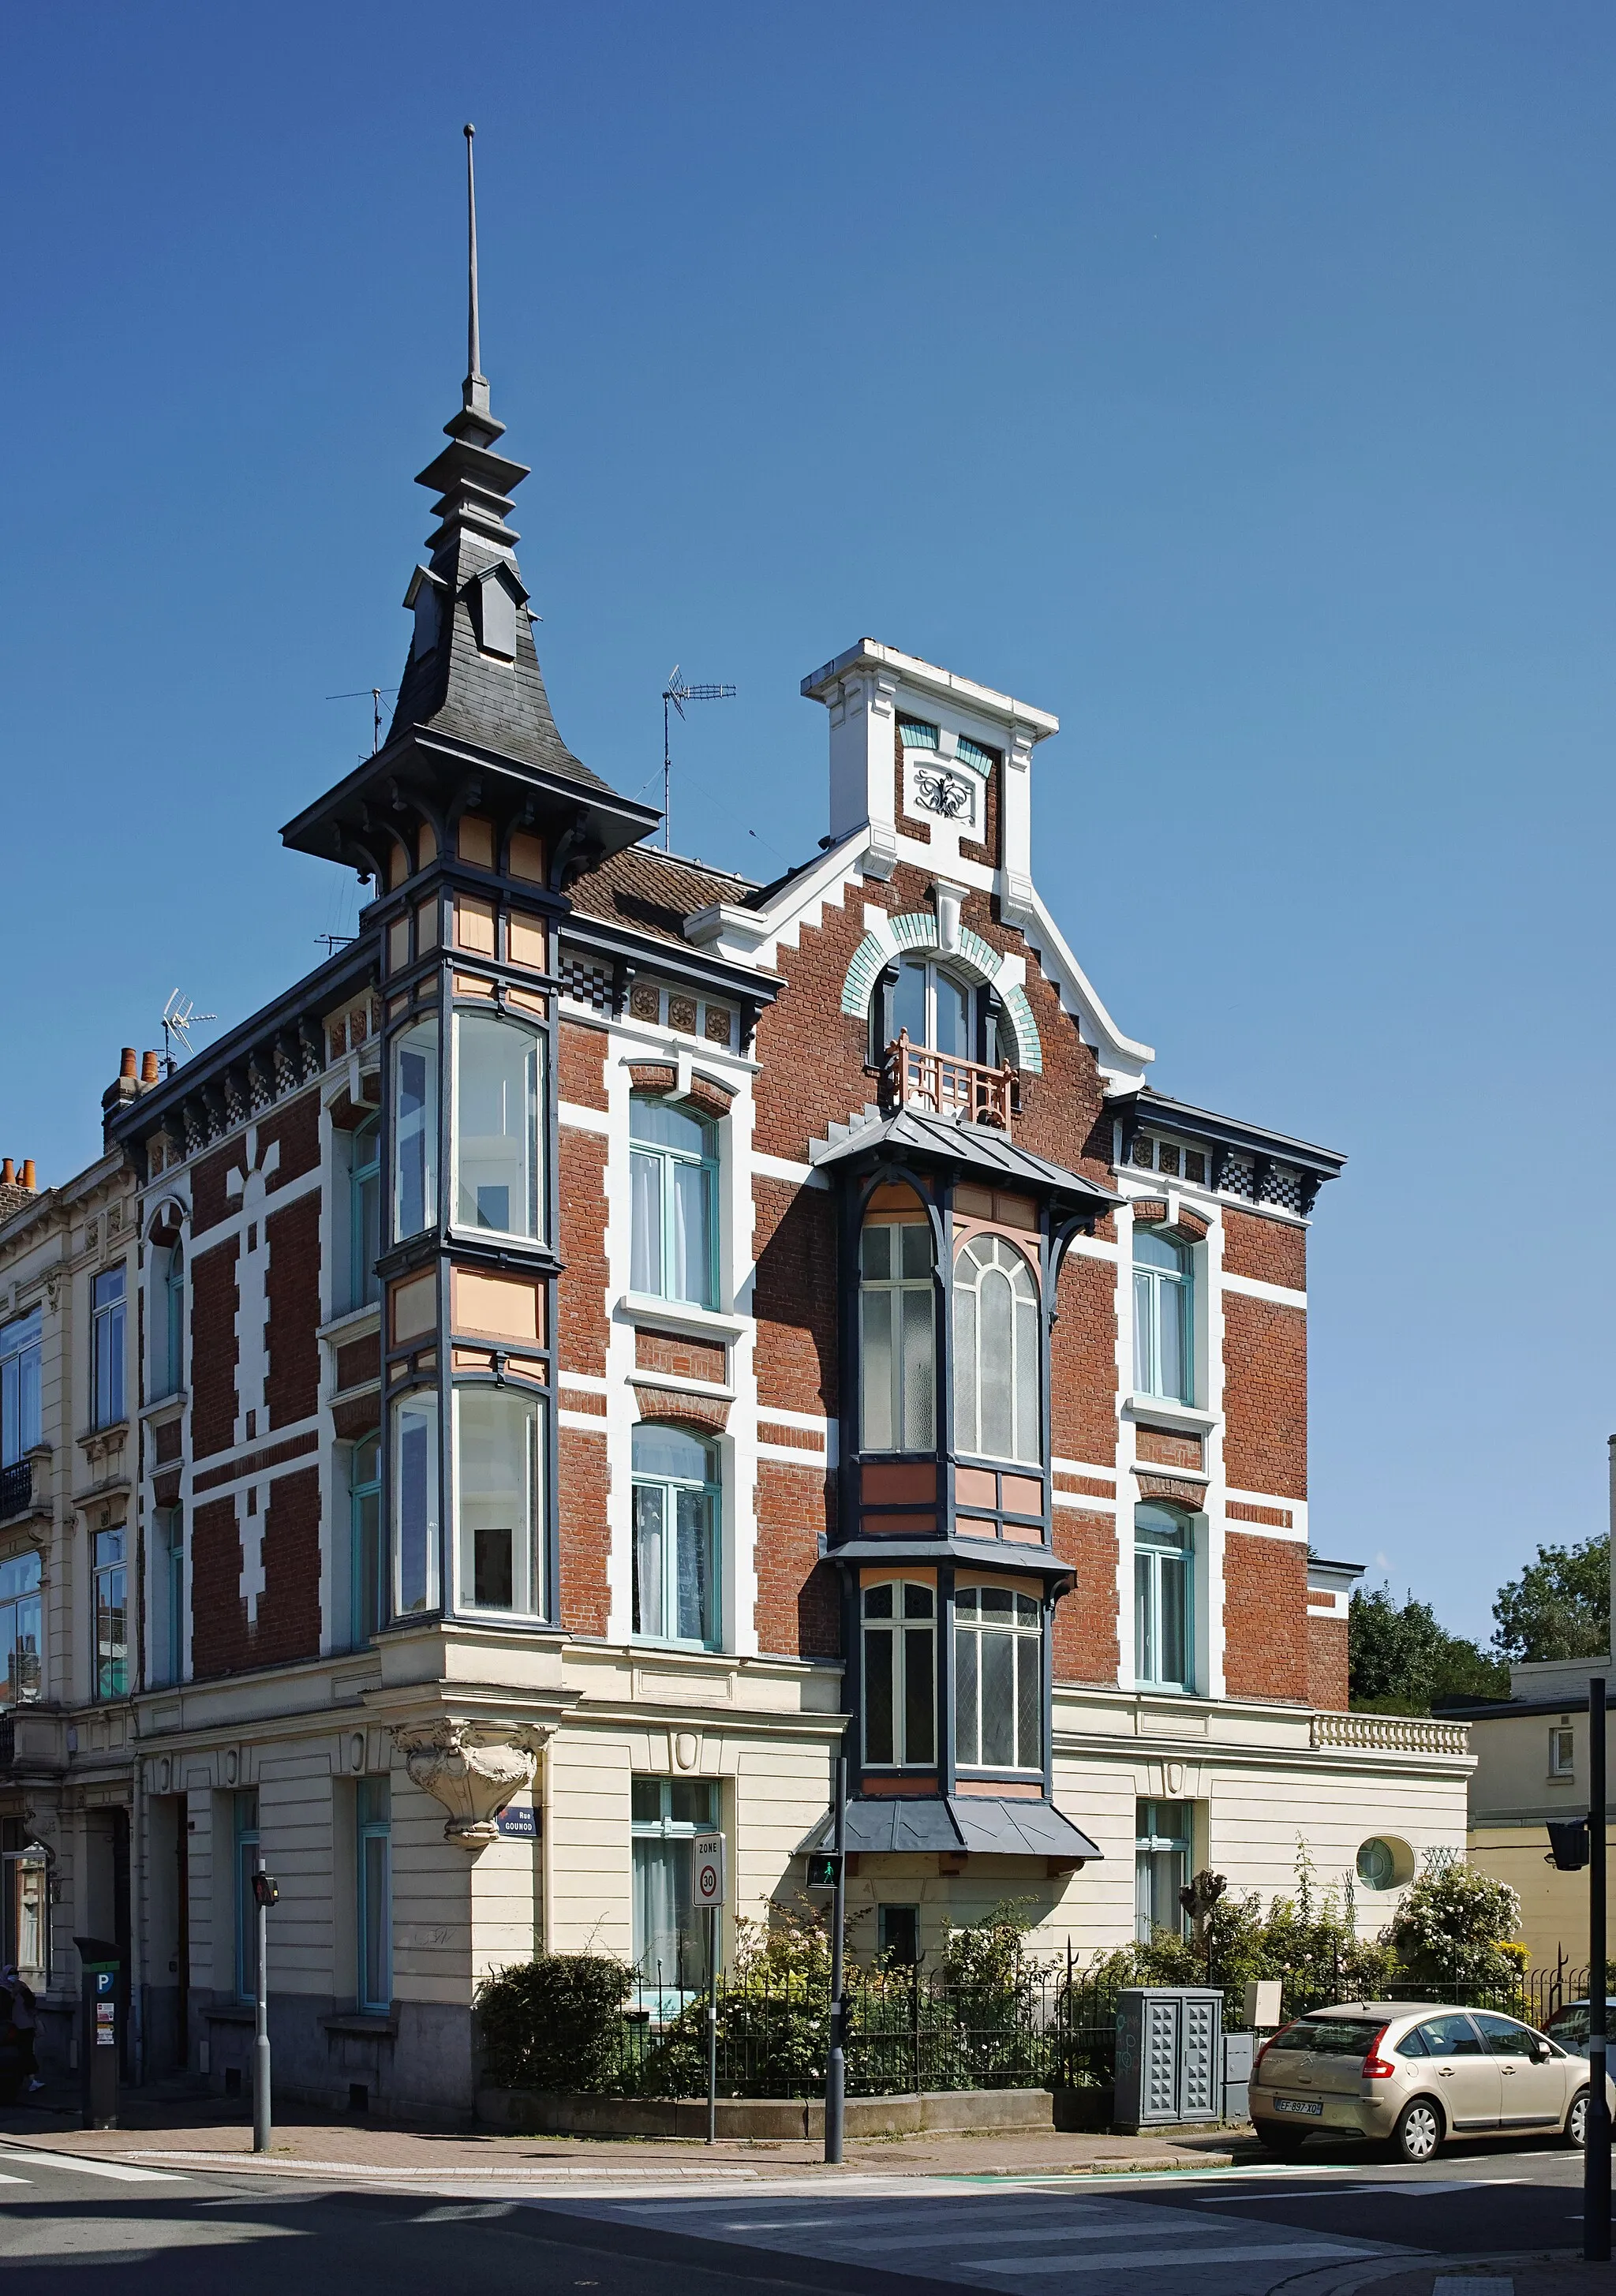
point(25, 2023)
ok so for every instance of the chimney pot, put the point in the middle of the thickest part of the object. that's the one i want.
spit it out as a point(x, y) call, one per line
point(127, 1067)
point(7, 1172)
point(148, 1067)
point(28, 1181)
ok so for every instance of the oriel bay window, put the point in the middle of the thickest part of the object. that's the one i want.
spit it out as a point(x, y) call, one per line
point(897, 1344)
point(899, 1652)
point(996, 1359)
point(415, 1130)
point(998, 1679)
point(1163, 1301)
point(673, 1169)
point(498, 1480)
point(497, 1098)
point(414, 1502)
point(675, 1537)
point(1163, 1566)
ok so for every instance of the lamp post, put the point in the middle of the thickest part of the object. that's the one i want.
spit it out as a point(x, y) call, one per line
point(836, 2072)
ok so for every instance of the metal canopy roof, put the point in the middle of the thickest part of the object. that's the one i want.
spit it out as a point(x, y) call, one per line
point(914, 1135)
point(904, 1824)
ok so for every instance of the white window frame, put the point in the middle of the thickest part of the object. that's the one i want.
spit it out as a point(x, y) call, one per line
point(668, 1162)
point(1562, 1751)
point(1025, 1633)
point(531, 1566)
point(474, 1018)
point(987, 1256)
point(1155, 1291)
point(421, 1037)
point(421, 1402)
point(1153, 1556)
point(898, 1289)
point(897, 1630)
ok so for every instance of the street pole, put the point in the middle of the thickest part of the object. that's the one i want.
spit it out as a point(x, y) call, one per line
point(260, 2060)
point(712, 2024)
point(835, 2076)
point(1596, 2144)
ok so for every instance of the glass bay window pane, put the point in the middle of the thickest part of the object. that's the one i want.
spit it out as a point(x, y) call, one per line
point(496, 1125)
point(415, 1130)
point(496, 1445)
point(875, 1312)
point(880, 1734)
point(415, 1502)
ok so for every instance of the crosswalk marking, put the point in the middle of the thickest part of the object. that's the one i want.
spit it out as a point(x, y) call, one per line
point(1205, 2260)
point(76, 2165)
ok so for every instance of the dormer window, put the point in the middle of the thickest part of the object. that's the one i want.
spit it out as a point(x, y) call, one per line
point(422, 599)
point(496, 598)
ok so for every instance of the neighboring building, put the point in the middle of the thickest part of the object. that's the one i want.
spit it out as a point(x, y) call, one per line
point(1531, 1764)
point(614, 1328)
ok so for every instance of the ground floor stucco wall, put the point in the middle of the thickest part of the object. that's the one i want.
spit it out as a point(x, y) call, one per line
point(1554, 1906)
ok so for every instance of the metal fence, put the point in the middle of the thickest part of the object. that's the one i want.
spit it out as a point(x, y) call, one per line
point(1030, 2024)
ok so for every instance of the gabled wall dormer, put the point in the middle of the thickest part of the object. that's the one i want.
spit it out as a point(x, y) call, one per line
point(931, 760)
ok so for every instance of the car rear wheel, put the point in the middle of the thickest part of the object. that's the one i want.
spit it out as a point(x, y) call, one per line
point(1418, 2135)
point(1576, 2130)
point(1273, 2138)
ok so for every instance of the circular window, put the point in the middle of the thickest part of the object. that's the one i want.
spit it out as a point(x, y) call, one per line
point(1384, 1864)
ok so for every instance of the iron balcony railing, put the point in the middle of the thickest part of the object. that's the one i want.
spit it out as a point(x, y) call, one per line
point(16, 1488)
point(913, 1076)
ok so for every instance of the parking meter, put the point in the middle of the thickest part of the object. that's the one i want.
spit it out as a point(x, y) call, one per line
point(99, 2038)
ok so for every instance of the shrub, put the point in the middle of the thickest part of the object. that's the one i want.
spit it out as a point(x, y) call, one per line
point(1453, 1928)
point(555, 2022)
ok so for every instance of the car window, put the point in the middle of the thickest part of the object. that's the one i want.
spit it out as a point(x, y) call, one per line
point(1450, 2036)
point(1570, 2026)
point(1413, 2044)
point(1504, 2037)
point(1331, 2037)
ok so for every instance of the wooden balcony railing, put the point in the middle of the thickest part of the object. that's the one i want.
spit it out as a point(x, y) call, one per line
point(912, 1076)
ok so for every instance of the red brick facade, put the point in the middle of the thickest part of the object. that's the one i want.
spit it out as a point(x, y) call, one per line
point(1265, 1369)
point(1327, 1664)
point(1265, 1618)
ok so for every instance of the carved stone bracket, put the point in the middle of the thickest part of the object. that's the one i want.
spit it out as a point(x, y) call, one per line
point(473, 1768)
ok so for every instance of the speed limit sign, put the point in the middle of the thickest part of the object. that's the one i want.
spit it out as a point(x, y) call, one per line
point(707, 1869)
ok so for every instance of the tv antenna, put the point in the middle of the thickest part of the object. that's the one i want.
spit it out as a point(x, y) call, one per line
point(180, 1016)
point(375, 693)
point(676, 691)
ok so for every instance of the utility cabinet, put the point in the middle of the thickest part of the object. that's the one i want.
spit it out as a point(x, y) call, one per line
point(1169, 2056)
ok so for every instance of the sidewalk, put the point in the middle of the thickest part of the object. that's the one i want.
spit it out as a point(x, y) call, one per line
point(204, 2134)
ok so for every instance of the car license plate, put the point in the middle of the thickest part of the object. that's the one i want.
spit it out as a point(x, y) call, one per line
point(1311, 2108)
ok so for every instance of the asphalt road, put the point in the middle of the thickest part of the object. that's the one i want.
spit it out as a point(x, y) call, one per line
point(1336, 2223)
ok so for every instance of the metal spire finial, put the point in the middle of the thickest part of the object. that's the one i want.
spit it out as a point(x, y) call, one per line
point(476, 381)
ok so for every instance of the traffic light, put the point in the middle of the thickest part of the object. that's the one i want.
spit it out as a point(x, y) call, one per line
point(1568, 1844)
point(263, 1890)
point(824, 1869)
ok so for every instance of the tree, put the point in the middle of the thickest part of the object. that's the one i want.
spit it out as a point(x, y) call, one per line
point(1559, 1607)
point(1401, 1659)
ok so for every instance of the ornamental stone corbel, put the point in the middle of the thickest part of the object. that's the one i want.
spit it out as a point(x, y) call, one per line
point(473, 1768)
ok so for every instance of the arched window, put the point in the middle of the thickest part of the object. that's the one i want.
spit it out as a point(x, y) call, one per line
point(924, 996)
point(174, 1321)
point(675, 1537)
point(996, 1353)
point(1163, 1587)
point(496, 1139)
point(897, 1325)
point(673, 1170)
point(1163, 1300)
point(998, 1679)
point(899, 1674)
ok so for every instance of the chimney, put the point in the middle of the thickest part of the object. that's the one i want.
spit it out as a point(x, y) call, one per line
point(119, 1094)
point(14, 1189)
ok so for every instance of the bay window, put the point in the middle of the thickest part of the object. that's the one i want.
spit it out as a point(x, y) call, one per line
point(20, 1626)
point(498, 1480)
point(996, 1353)
point(673, 1175)
point(900, 1620)
point(676, 1543)
point(998, 1679)
point(496, 1139)
point(415, 1503)
point(415, 1130)
point(1163, 1298)
point(1163, 1559)
point(897, 1347)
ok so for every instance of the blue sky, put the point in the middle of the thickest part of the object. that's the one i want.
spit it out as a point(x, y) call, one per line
point(1235, 381)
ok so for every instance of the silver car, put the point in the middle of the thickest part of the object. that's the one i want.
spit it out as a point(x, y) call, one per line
point(1412, 2073)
